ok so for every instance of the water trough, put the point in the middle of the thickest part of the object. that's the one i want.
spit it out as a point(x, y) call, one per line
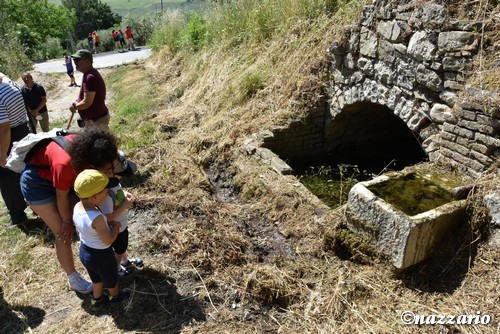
point(404, 214)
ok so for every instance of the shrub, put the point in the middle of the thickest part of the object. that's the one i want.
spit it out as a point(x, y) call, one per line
point(194, 34)
point(167, 32)
point(13, 59)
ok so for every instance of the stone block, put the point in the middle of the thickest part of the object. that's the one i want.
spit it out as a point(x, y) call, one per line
point(456, 41)
point(487, 140)
point(401, 48)
point(448, 136)
point(368, 43)
point(441, 113)
point(448, 97)
point(481, 158)
point(433, 15)
point(406, 238)
point(465, 162)
point(454, 64)
point(492, 201)
point(458, 130)
point(467, 114)
point(405, 75)
point(393, 31)
point(422, 46)
point(385, 51)
point(475, 126)
point(365, 65)
point(453, 85)
point(428, 78)
point(384, 73)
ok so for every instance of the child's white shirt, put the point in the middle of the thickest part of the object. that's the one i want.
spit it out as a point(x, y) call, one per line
point(83, 222)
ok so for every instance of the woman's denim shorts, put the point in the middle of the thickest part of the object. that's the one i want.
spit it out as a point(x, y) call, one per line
point(36, 190)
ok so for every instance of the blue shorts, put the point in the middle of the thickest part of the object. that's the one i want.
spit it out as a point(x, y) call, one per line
point(100, 264)
point(120, 244)
point(36, 190)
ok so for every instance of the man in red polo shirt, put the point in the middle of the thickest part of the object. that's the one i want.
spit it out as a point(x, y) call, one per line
point(90, 103)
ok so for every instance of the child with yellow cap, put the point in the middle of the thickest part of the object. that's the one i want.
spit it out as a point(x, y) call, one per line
point(96, 236)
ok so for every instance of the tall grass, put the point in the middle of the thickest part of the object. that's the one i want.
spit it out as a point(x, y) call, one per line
point(239, 22)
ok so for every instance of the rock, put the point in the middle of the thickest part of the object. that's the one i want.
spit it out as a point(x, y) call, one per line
point(393, 31)
point(454, 41)
point(433, 15)
point(441, 113)
point(422, 46)
point(448, 97)
point(492, 202)
point(368, 43)
point(428, 78)
point(365, 65)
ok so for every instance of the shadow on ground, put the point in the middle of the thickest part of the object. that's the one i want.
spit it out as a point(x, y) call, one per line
point(154, 305)
point(18, 319)
point(445, 270)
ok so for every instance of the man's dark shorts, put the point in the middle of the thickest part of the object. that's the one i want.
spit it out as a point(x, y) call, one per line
point(70, 73)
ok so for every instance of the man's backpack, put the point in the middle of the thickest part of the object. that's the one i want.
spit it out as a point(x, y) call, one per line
point(23, 150)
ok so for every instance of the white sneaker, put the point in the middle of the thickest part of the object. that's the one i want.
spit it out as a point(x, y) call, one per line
point(79, 284)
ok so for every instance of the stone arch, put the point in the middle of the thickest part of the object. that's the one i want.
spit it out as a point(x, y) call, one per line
point(371, 136)
point(412, 60)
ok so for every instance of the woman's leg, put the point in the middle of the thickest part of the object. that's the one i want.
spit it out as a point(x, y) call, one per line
point(50, 215)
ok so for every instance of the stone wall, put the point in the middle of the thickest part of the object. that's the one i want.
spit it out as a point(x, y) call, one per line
point(415, 60)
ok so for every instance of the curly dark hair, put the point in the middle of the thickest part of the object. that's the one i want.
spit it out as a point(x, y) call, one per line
point(95, 147)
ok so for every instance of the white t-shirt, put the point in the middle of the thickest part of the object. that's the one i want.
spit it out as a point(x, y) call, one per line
point(115, 198)
point(83, 222)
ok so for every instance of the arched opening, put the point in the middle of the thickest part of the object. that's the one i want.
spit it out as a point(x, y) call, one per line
point(329, 155)
point(370, 136)
point(367, 135)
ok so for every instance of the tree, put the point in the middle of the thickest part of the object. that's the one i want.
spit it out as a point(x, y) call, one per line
point(92, 15)
point(32, 22)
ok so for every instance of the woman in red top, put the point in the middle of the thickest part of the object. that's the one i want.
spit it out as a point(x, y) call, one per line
point(48, 191)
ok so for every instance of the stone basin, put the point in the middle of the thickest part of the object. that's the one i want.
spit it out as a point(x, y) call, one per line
point(404, 215)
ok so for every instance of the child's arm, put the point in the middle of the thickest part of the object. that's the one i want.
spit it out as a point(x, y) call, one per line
point(107, 234)
point(127, 204)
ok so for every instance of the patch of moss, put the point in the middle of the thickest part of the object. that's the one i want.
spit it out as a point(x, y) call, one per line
point(331, 184)
point(350, 245)
point(412, 193)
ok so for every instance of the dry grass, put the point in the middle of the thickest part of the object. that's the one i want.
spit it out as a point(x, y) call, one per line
point(229, 245)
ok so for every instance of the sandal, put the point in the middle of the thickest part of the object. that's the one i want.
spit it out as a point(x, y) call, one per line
point(132, 262)
point(122, 271)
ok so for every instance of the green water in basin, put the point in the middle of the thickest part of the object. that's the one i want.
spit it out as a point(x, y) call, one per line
point(412, 194)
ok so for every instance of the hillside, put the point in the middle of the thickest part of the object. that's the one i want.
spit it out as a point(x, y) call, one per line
point(229, 245)
point(140, 7)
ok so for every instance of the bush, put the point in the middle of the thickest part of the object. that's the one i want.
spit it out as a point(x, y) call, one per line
point(167, 32)
point(13, 59)
point(49, 50)
point(141, 27)
point(194, 34)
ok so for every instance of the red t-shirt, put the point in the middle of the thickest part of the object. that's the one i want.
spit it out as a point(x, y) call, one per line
point(93, 82)
point(128, 33)
point(61, 172)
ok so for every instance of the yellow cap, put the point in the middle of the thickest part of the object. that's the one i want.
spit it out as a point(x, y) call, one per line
point(90, 182)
